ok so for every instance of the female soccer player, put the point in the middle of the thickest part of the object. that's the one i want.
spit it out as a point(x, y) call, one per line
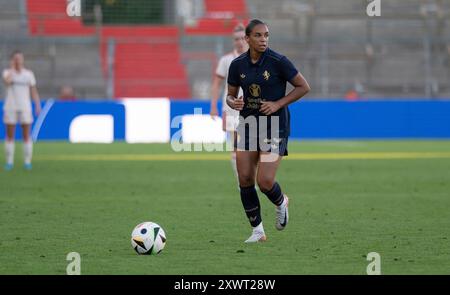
point(263, 128)
point(20, 85)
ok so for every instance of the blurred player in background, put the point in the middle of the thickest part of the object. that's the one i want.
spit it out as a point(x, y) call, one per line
point(20, 86)
point(230, 117)
point(262, 74)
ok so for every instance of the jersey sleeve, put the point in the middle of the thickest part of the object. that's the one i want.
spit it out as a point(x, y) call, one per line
point(32, 79)
point(288, 70)
point(221, 69)
point(233, 75)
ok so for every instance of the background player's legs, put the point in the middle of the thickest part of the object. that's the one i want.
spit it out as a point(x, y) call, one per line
point(266, 182)
point(247, 162)
point(9, 145)
point(27, 145)
point(231, 135)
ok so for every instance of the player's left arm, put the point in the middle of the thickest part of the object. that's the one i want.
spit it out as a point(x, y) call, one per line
point(215, 90)
point(35, 94)
point(289, 73)
point(36, 99)
point(301, 88)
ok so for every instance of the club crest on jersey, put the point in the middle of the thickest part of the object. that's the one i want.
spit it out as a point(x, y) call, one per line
point(266, 75)
point(255, 90)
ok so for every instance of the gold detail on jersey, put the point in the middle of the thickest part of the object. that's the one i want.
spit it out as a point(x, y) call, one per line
point(253, 103)
point(266, 75)
point(255, 90)
point(242, 76)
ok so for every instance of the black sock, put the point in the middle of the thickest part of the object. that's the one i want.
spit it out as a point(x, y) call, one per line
point(275, 195)
point(250, 201)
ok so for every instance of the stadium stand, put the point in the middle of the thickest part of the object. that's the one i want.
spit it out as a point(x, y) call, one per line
point(48, 18)
point(402, 53)
point(149, 68)
point(220, 17)
point(55, 60)
point(137, 64)
point(10, 23)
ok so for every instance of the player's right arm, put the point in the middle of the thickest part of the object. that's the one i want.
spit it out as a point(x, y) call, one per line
point(233, 89)
point(232, 100)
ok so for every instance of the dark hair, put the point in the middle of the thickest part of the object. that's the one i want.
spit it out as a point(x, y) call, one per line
point(252, 24)
point(15, 52)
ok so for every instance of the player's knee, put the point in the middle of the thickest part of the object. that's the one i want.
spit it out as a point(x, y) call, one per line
point(265, 183)
point(246, 180)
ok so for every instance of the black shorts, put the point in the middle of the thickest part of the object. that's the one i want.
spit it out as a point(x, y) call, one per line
point(271, 145)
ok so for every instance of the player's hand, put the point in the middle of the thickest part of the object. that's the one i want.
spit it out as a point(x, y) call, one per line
point(238, 103)
point(269, 107)
point(214, 112)
point(8, 78)
point(37, 110)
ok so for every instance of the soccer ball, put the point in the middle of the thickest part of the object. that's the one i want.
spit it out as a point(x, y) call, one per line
point(148, 238)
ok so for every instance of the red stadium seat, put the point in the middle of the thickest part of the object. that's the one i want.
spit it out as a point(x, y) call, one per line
point(49, 18)
point(237, 7)
point(147, 61)
point(213, 27)
point(220, 18)
point(147, 58)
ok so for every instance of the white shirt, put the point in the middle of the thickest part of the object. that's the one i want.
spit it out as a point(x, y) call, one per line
point(222, 70)
point(18, 95)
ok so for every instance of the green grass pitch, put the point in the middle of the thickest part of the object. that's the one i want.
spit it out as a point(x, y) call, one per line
point(340, 210)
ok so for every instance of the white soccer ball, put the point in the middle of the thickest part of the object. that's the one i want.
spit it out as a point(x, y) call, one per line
point(148, 238)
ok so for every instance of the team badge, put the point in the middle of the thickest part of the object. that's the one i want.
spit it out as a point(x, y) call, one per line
point(255, 90)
